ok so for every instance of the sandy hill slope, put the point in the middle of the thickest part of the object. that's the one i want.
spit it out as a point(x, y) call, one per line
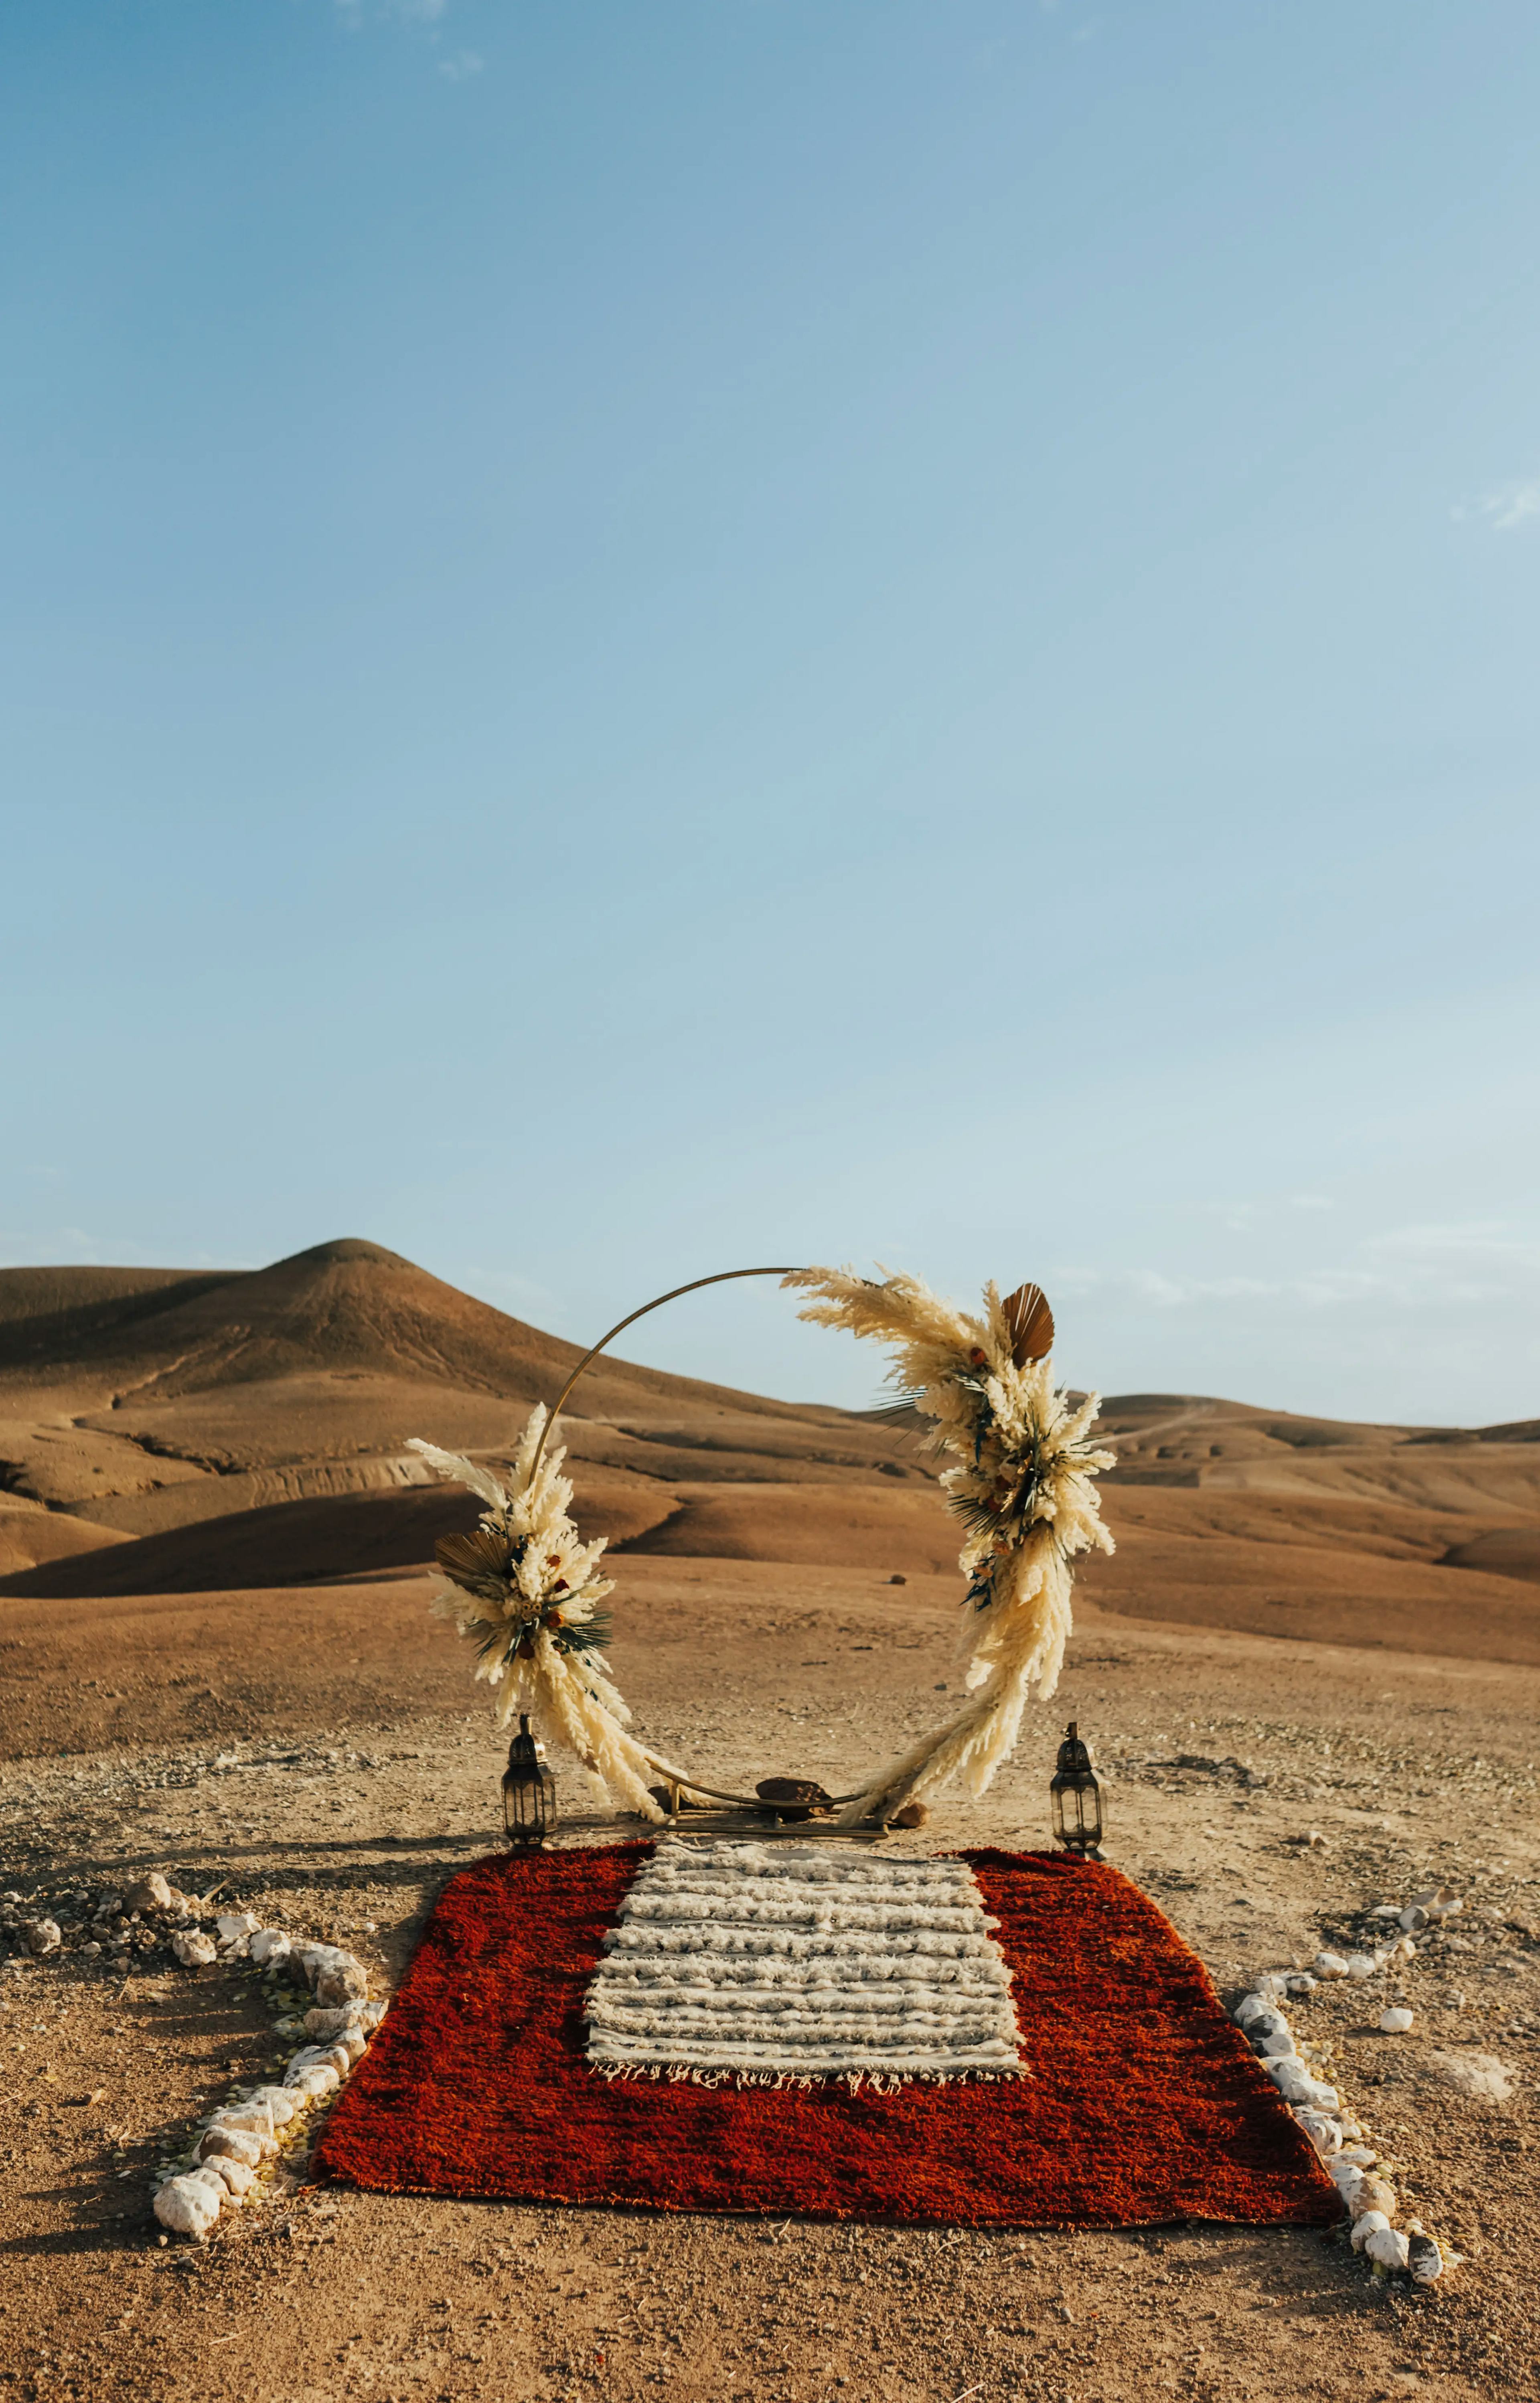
point(246, 1429)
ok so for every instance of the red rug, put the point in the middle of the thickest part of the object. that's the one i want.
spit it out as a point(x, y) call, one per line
point(1144, 2104)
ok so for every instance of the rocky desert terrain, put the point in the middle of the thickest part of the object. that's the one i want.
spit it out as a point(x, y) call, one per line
point(1311, 1672)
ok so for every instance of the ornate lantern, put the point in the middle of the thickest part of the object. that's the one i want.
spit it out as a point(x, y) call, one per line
point(529, 1790)
point(1076, 1799)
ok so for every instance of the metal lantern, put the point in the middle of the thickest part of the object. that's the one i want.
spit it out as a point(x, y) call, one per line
point(529, 1790)
point(1076, 1799)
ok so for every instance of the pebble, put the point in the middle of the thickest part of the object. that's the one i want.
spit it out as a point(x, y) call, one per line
point(41, 1936)
point(1364, 1965)
point(1395, 2022)
point(193, 1949)
point(1367, 2224)
point(152, 1893)
point(1439, 1902)
point(1330, 1965)
point(1388, 2246)
point(1414, 1919)
point(233, 1927)
point(268, 1947)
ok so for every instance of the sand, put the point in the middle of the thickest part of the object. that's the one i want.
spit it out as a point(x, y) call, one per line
point(1284, 1641)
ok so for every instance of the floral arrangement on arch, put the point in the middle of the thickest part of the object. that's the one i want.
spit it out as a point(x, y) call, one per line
point(524, 1588)
point(1022, 1487)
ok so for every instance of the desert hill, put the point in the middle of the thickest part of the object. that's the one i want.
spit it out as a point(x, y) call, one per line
point(182, 1433)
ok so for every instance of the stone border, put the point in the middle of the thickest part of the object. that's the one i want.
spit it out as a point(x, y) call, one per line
point(239, 2144)
point(1352, 2165)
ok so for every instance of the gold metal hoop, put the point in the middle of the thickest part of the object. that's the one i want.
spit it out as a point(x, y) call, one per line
point(723, 1276)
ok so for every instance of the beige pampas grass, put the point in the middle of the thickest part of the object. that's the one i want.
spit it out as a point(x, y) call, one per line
point(523, 1590)
point(1022, 1487)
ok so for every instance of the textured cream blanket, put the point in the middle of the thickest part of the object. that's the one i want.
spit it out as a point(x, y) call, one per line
point(788, 1960)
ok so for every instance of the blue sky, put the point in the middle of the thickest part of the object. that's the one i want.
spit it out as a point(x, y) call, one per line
point(643, 638)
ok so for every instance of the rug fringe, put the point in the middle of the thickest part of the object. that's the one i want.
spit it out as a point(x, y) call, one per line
point(882, 2081)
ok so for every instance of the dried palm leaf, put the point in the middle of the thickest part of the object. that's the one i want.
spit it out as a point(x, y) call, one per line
point(476, 1560)
point(1029, 1322)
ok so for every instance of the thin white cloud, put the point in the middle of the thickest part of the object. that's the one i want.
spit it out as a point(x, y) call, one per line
point(407, 12)
point(1416, 1265)
point(463, 64)
point(1510, 507)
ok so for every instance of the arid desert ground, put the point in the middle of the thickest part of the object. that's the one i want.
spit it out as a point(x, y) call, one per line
point(216, 1659)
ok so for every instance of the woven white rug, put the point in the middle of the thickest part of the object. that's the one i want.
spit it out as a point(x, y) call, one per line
point(784, 1960)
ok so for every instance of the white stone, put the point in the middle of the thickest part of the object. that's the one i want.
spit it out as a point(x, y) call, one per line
point(254, 2116)
point(1438, 1901)
point(1322, 2130)
point(316, 2078)
point(1330, 1965)
point(193, 1949)
point(1362, 1965)
point(1388, 2246)
point(1395, 2022)
point(1300, 1984)
point(1367, 2224)
point(341, 1981)
point(1250, 2006)
point(268, 1947)
point(239, 2176)
point(233, 1927)
point(279, 2103)
point(187, 2206)
point(236, 2145)
point(1414, 1919)
point(41, 1936)
point(1425, 2259)
point(334, 2022)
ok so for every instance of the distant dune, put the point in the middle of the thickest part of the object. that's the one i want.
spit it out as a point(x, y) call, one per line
point(171, 1432)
